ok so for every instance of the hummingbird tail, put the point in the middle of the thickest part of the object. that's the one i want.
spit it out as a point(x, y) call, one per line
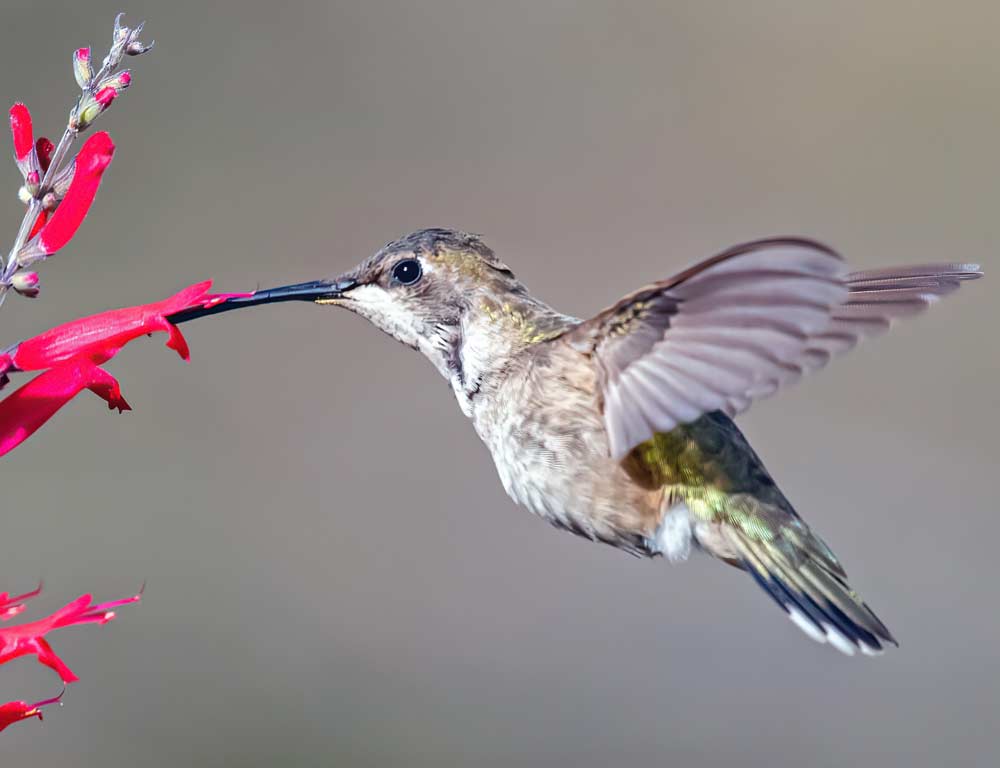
point(808, 583)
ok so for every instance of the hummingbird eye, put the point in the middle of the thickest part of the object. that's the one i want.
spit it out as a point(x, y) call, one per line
point(407, 272)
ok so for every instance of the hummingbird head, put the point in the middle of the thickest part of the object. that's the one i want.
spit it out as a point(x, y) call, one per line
point(418, 289)
point(435, 290)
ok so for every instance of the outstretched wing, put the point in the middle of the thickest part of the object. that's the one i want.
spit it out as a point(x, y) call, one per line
point(740, 326)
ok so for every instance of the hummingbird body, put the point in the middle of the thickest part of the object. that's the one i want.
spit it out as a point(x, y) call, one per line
point(619, 428)
point(535, 406)
point(539, 420)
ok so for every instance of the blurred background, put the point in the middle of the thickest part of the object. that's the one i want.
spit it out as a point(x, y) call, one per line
point(335, 576)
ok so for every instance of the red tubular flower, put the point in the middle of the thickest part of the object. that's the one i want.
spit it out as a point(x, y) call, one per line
point(15, 711)
point(73, 353)
point(29, 162)
point(100, 336)
point(29, 639)
point(28, 408)
point(11, 606)
point(94, 157)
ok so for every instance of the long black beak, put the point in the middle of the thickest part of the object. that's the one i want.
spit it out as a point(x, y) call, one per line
point(312, 291)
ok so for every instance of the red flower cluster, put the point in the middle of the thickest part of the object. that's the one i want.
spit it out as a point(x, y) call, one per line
point(73, 189)
point(57, 195)
point(33, 157)
point(71, 355)
point(29, 640)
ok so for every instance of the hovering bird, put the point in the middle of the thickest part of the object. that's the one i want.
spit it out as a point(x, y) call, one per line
point(619, 428)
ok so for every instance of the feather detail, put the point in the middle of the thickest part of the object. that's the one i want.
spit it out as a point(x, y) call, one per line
point(818, 601)
point(745, 324)
point(877, 297)
point(717, 490)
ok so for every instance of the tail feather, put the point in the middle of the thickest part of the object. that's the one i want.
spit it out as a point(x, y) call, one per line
point(817, 599)
point(738, 514)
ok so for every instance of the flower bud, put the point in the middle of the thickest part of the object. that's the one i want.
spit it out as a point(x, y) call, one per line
point(117, 82)
point(49, 202)
point(25, 283)
point(126, 42)
point(105, 96)
point(86, 114)
point(44, 149)
point(121, 31)
point(93, 105)
point(106, 92)
point(32, 183)
point(82, 69)
point(137, 48)
point(22, 281)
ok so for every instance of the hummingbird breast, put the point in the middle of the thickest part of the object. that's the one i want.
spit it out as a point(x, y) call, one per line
point(540, 417)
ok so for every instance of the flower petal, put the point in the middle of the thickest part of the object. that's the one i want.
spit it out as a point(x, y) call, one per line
point(23, 412)
point(43, 217)
point(29, 639)
point(49, 658)
point(20, 128)
point(15, 711)
point(11, 606)
point(100, 336)
point(83, 70)
point(44, 149)
point(73, 352)
point(94, 157)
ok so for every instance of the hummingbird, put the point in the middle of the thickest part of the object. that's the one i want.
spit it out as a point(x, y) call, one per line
point(619, 428)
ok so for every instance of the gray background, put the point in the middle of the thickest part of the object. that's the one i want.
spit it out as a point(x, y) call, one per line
point(335, 575)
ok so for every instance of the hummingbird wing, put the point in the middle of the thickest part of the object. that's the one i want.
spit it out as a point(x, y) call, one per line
point(738, 327)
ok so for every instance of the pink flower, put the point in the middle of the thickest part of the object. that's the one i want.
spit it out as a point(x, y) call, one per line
point(28, 408)
point(71, 355)
point(58, 196)
point(24, 142)
point(15, 711)
point(51, 231)
point(94, 157)
point(29, 639)
point(11, 606)
point(100, 336)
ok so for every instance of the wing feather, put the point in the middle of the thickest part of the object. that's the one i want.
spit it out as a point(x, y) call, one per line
point(740, 326)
